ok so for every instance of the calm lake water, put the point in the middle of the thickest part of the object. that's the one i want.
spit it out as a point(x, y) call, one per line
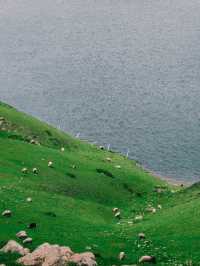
point(123, 72)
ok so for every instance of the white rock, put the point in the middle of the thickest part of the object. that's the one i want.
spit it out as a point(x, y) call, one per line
point(83, 259)
point(62, 149)
point(13, 247)
point(47, 255)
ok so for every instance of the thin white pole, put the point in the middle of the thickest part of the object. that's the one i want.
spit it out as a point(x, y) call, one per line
point(78, 135)
point(127, 154)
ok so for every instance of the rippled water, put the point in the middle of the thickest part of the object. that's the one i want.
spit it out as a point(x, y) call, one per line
point(124, 73)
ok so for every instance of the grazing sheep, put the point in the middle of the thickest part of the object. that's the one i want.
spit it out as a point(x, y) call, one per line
point(151, 209)
point(24, 170)
point(118, 215)
point(21, 234)
point(139, 217)
point(7, 213)
point(32, 141)
point(122, 255)
point(159, 190)
point(146, 258)
point(62, 149)
point(29, 199)
point(115, 210)
point(32, 225)
point(35, 171)
point(159, 206)
point(28, 240)
point(108, 159)
point(141, 236)
point(50, 164)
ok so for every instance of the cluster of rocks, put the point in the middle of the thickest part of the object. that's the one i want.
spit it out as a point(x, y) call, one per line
point(49, 255)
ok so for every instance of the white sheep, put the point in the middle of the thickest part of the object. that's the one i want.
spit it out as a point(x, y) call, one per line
point(115, 210)
point(7, 213)
point(146, 258)
point(29, 199)
point(118, 215)
point(122, 255)
point(21, 234)
point(28, 240)
point(24, 170)
point(138, 218)
point(35, 170)
point(50, 164)
point(141, 236)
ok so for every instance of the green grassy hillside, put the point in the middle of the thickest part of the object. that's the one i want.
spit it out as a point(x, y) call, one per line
point(72, 201)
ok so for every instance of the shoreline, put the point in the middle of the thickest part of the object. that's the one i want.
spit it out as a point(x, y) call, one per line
point(170, 180)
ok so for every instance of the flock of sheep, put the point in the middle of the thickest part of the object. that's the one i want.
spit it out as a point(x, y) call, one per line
point(117, 214)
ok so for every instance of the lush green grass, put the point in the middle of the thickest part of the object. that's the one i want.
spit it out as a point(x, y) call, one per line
point(74, 206)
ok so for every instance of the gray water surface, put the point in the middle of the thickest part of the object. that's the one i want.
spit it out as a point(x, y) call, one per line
point(124, 72)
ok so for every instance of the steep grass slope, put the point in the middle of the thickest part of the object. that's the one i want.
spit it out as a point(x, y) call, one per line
point(72, 201)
